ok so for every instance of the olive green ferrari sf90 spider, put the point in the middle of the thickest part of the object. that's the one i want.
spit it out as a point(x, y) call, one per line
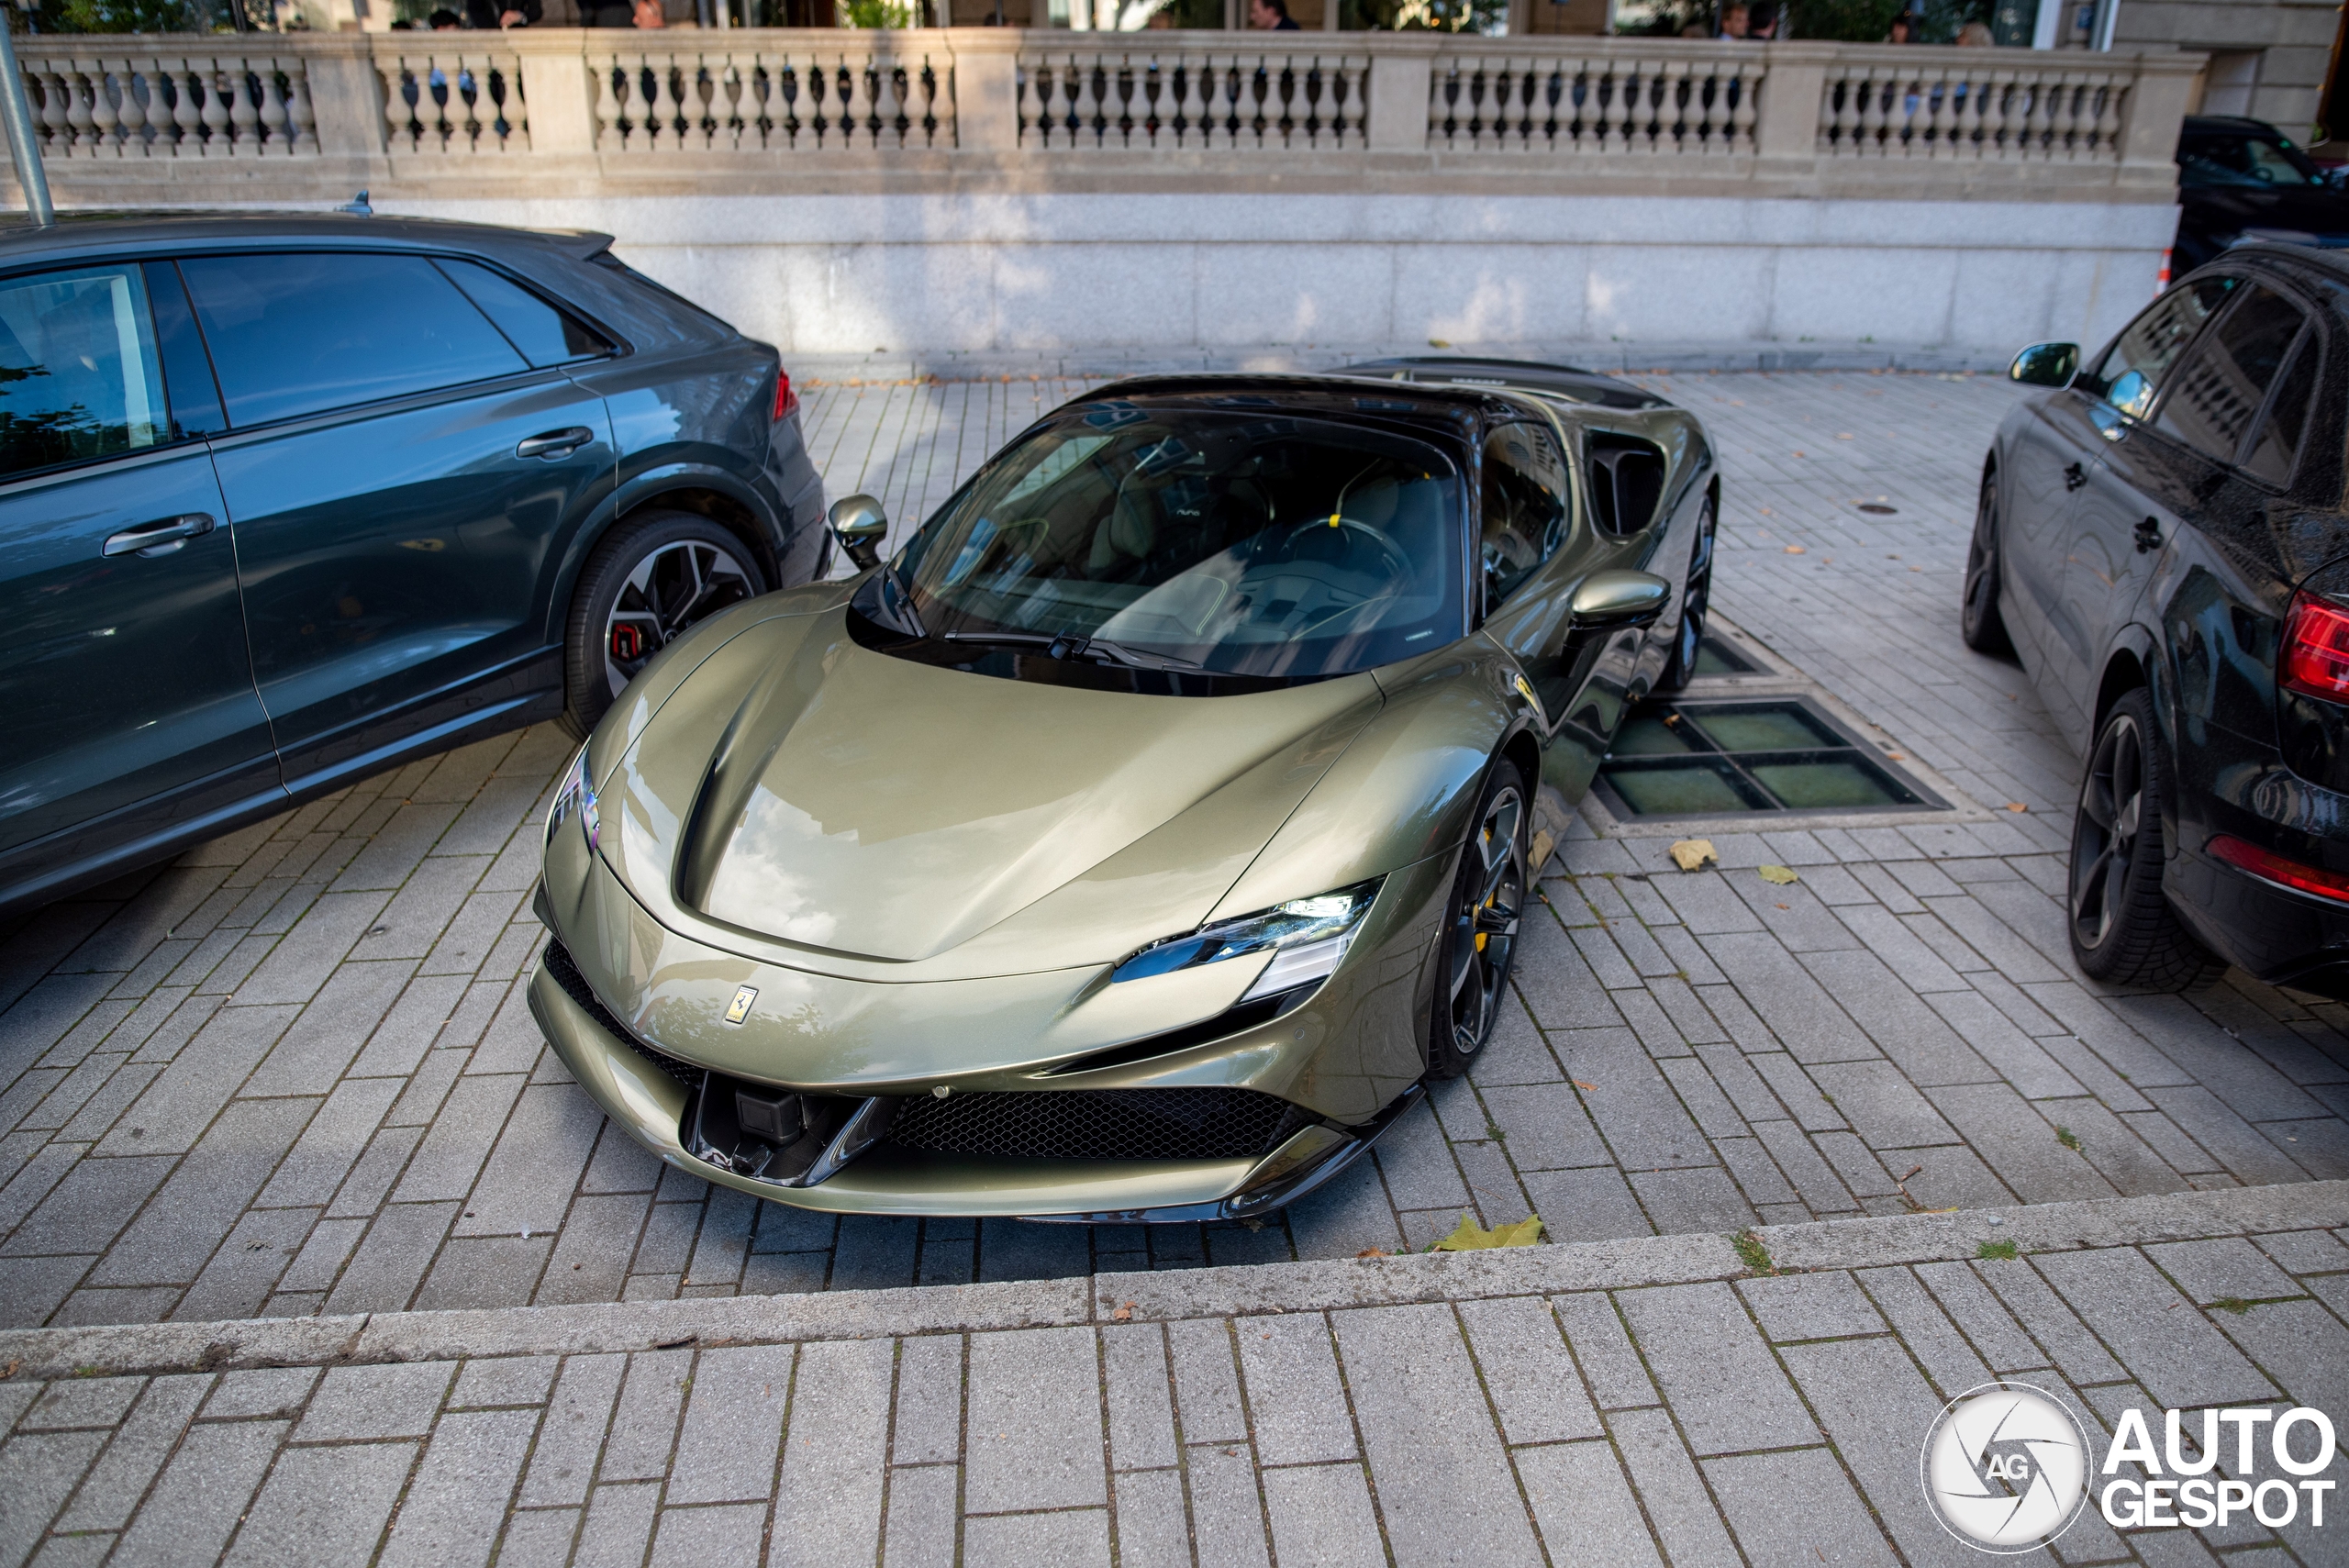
point(1140, 836)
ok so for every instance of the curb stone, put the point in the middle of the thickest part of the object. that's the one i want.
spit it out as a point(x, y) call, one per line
point(46, 1353)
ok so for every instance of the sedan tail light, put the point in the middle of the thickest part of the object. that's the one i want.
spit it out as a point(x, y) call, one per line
point(2269, 866)
point(786, 396)
point(2315, 659)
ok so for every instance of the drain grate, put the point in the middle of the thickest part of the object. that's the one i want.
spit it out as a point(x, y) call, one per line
point(1727, 759)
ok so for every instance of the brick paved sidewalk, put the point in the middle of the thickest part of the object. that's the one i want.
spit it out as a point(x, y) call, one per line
point(295, 1074)
point(1613, 1403)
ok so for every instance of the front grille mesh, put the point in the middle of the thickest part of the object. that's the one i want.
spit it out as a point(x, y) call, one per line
point(1100, 1124)
point(575, 985)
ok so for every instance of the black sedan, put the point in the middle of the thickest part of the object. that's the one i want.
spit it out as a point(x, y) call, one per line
point(2241, 178)
point(286, 500)
point(2161, 537)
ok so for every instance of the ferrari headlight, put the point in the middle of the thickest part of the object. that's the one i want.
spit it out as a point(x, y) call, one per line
point(1306, 937)
point(576, 798)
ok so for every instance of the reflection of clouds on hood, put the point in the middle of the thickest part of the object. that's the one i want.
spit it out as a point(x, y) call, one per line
point(756, 885)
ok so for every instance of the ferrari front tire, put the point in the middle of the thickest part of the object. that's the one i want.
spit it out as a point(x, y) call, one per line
point(1479, 940)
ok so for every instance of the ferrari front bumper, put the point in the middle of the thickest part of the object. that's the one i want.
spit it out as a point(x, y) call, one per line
point(651, 1104)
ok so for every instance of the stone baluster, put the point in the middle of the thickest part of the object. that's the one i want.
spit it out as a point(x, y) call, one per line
point(1682, 116)
point(608, 83)
point(302, 120)
point(1746, 111)
point(79, 91)
point(139, 93)
point(2039, 127)
point(276, 124)
point(244, 114)
point(648, 78)
point(2109, 118)
point(105, 121)
point(217, 116)
point(729, 109)
point(398, 76)
point(56, 115)
point(187, 114)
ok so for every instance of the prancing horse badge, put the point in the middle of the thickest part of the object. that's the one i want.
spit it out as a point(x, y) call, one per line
point(740, 1008)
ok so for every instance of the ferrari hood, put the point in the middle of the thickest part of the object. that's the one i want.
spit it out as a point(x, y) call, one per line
point(809, 792)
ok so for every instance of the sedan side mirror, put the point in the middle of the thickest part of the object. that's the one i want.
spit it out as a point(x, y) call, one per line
point(860, 524)
point(1614, 601)
point(2047, 364)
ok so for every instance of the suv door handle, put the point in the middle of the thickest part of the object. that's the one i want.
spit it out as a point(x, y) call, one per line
point(161, 537)
point(2074, 476)
point(2149, 535)
point(555, 444)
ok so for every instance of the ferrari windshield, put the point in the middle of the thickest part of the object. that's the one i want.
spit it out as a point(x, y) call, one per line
point(1247, 541)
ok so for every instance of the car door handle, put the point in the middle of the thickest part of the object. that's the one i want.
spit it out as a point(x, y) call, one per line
point(2149, 535)
point(161, 537)
point(555, 443)
point(2074, 476)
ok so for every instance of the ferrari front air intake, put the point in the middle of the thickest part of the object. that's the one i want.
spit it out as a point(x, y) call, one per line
point(1100, 1124)
point(575, 985)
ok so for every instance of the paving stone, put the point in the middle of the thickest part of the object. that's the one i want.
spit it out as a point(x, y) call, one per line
point(1782, 1505)
point(1602, 1345)
point(1926, 1331)
point(1583, 1506)
point(829, 1498)
point(1079, 1539)
point(483, 1272)
point(185, 1220)
point(1035, 1431)
point(1153, 1531)
point(384, 1274)
point(37, 1471)
point(1810, 1307)
point(393, 1401)
point(528, 1181)
point(1545, 1127)
point(1680, 1510)
point(1586, 1205)
point(1679, 1202)
point(1714, 1369)
point(1296, 1403)
point(1207, 1387)
point(2024, 1150)
point(324, 1504)
point(928, 1429)
point(726, 1444)
point(920, 1530)
point(1321, 1517)
point(1227, 1512)
point(202, 1495)
point(452, 1512)
point(1443, 1478)
point(687, 1538)
point(312, 1055)
point(504, 1380)
point(1794, 1005)
point(2304, 1251)
point(452, 1154)
point(1529, 1374)
point(2181, 1360)
point(563, 1463)
point(618, 1527)
point(2208, 1270)
point(645, 1424)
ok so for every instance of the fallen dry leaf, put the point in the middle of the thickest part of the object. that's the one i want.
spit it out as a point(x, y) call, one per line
point(1786, 906)
point(2017, 805)
point(1372, 1252)
point(1691, 853)
point(1794, 550)
point(1438, 343)
point(1474, 1238)
point(1124, 1314)
point(1897, 756)
point(1781, 875)
point(1842, 435)
point(1800, 454)
point(1586, 1088)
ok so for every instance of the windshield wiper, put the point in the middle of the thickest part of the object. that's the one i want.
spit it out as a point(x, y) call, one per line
point(1072, 645)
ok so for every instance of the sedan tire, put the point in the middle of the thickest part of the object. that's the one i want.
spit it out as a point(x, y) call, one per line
point(1979, 621)
point(650, 578)
point(1479, 942)
point(1696, 599)
point(2123, 930)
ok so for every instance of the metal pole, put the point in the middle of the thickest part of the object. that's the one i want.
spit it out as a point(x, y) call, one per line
point(18, 112)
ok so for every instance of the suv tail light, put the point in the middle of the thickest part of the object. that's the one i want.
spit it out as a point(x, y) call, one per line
point(786, 396)
point(2269, 866)
point(2315, 660)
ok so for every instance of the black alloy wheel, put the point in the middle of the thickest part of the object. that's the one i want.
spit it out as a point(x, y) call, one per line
point(2123, 930)
point(650, 579)
point(1696, 600)
point(1978, 621)
point(1480, 925)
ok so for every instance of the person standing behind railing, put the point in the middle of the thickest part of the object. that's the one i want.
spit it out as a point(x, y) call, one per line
point(1272, 17)
point(488, 14)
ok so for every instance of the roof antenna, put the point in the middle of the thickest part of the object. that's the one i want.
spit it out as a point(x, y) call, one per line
point(357, 207)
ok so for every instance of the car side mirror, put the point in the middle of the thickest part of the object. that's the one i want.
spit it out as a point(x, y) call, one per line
point(2047, 364)
point(860, 524)
point(1615, 601)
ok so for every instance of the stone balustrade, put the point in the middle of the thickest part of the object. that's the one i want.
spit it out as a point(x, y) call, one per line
point(581, 111)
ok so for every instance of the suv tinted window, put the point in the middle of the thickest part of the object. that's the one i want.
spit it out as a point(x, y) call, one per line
point(545, 336)
point(2217, 393)
point(2240, 161)
point(2131, 371)
point(2277, 440)
point(79, 375)
point(1525, 507)
point(299, 333)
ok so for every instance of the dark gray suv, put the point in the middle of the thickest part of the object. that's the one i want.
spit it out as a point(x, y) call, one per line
point(286, 499)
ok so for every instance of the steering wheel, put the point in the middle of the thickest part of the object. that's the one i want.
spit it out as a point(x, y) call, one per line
point(1397, 564)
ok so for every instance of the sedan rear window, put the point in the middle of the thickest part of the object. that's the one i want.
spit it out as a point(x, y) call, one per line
point(1231, 543)
point(301, 333)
